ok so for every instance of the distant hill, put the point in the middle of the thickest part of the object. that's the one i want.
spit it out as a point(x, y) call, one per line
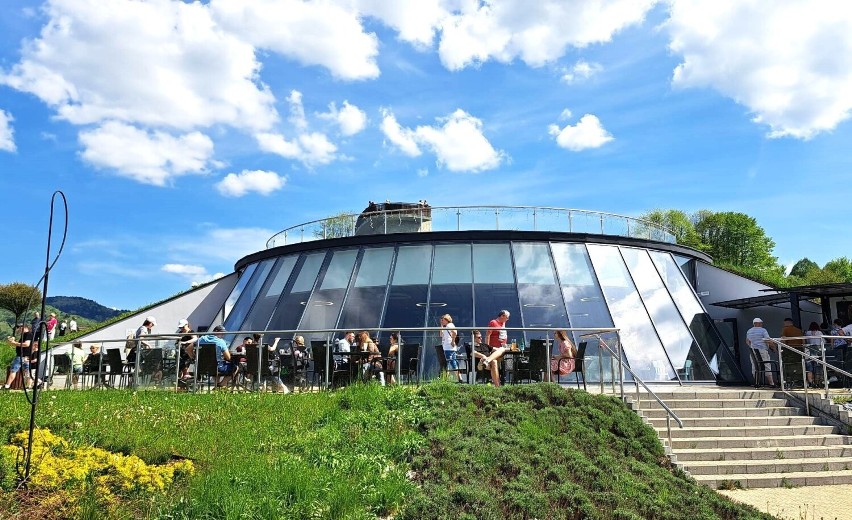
point(83, 307)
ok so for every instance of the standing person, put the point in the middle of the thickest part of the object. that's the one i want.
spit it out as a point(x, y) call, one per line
point(756, 339)
point(814, 348)
point(564, 363)
point(62, 328)
point(788, 330)
point(35, 323)
point(143, 330)
point(78, 358)
point(495, 338)
point(51, 326)
point(21, 361)
point(448, 342)
point(72, 325)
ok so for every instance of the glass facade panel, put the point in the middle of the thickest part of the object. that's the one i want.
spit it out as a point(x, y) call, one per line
point(680, 346)
point(492, 263)
point(642, 347)
point(249, 294)
point(363, 306)
point(584, 301)
point(292, 304)
point(715, 350)
point(452, 264)
point(323, 307)
point(238, 289)
point(408, 297)
point(540, 297)
point(413, 264)
point(374, 268)
point(268, 297)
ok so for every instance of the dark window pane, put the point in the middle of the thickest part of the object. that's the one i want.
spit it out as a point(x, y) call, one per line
point(407, 308)
point(642, 347)
point(292, 304)
point(339, 270)
point(677, 340)
point(308, 273)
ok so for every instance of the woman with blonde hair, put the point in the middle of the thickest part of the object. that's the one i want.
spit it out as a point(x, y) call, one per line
point(373, 361)
point(564, 363)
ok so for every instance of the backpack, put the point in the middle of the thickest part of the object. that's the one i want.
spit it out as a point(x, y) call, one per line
point(130, 344)
point(457, 340)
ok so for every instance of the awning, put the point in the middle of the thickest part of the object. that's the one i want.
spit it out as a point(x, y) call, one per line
point(781, 296)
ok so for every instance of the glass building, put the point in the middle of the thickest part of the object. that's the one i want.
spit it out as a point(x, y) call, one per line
point(364, 274)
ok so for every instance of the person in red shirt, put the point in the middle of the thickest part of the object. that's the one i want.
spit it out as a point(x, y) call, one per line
point(495, 339)
point(51, 326)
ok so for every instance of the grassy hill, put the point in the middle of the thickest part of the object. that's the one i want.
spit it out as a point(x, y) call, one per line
point(83, 308)
point(441, 451)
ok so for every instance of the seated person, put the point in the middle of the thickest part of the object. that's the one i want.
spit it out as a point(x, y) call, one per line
point(393, 351)
point(343, 345)
point(94, 363)
point(495, 340)
point(271, 372)
point(373, 362)
point(563, 364)
point(225, 368)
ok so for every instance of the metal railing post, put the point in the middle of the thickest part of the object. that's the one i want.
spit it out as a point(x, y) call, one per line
point(535, 227)
point(458, 219)
point(805, 385)
point(570, 222)
point(602, 225)
point(780, 365)
point(620, 364)
point(824, 368)
point(497, 219)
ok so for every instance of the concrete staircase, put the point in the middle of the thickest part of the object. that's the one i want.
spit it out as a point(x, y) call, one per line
point(749, 439)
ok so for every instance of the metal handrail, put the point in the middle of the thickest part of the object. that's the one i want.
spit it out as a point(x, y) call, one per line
point(638, 380)
point(317, 229)
point(821, 360)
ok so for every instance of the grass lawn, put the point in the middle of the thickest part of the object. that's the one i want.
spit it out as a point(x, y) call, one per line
point(441, 451)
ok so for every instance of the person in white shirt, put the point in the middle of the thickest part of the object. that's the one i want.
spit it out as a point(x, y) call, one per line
point(72, 325)
point(448, 342)
point(756, 339)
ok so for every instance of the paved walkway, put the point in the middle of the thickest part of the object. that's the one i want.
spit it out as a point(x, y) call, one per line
point(800, 503)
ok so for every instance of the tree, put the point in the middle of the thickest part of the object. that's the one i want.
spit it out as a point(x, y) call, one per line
point(841, 268)
point(17, 297)
point(803, 268)
point(678, 223)
point(735, 239)
point(340, 225)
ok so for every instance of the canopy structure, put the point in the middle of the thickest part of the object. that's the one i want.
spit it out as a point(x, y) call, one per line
point(793, 295)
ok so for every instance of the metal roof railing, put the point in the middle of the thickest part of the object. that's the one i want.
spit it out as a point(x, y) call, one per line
point(424, 219)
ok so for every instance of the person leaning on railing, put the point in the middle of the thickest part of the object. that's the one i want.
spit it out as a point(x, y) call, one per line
point(814, 348)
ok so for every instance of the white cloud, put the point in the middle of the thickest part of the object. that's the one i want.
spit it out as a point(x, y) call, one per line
point(231, 243)
point(329, 34)
point(458, 143)
point(416, 21)
point(311, 149)
point(403, 138)
point(581, 70)
point(7, 133)
point(158, 63)
point(147, 157)
point(790, 65)
point(196, 274)
point(536, 32)
point(349, 118)
point(258, 181)
point(587, 133)
point(297, 110)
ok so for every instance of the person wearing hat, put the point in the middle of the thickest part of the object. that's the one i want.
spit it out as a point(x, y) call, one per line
point(183, 345)
point(51, 326)
point(756, 339)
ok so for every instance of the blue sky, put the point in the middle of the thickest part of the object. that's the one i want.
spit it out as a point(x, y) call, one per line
point(185, 134)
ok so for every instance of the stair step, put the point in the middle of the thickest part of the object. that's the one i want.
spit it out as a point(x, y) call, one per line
point(683, 413)
point(714, 395)
point(765, 432)
point(770, 480)
point(778, 441)
point(732, 422)
point(677, 403)
point(774, 453)
point(756, 467)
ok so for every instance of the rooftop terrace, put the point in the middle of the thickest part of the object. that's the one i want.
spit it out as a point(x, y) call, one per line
point(421, 218)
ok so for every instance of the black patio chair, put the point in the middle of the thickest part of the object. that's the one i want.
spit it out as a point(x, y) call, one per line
point(206, 365)
point(536, 362)
point(118, 374)
point(61, 365)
